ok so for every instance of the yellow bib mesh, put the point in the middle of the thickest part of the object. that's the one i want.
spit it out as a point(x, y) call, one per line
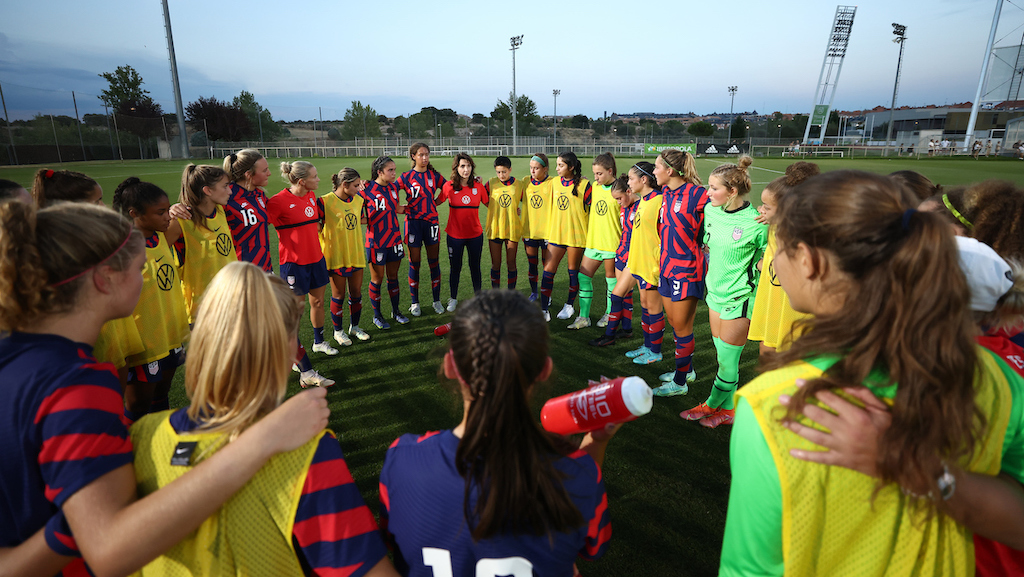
point(160, 313)
point(605, 229)
point(342, 237)
point(773, 316)
point(503, 220)
point(207, 250)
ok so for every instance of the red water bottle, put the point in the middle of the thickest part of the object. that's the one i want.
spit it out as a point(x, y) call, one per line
point(608, 401)
point(443, 329)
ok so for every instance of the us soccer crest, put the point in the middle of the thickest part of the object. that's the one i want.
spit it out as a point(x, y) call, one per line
point(737, 233)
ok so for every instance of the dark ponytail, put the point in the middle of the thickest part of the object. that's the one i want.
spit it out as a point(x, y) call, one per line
point(378, 165)
point(576, 167)
point(136, 194)
point(499, 341)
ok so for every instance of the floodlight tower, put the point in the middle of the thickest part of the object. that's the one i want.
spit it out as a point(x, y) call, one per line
point(732, 100)
point(179, 112)
point(901, 36)
point(984, 72)
point(835, 51)
point(556, 92)
point(516, 42)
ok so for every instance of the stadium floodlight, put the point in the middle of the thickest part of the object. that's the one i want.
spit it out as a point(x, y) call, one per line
point(831, 67)
point(516, 42)
point(901, 36)
point(554, 142)
point(732, 100)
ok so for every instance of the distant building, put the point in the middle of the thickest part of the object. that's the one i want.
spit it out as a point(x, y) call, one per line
point(916, 126)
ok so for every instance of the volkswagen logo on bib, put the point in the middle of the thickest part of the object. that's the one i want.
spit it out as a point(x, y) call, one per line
point(536, 201)
point(223, 244)
point(165, 277)
point(505, 200)
point(602, 208)
point(563, 203)
point(350, 221)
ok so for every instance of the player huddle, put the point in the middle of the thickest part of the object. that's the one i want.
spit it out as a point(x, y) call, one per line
point(901, 317)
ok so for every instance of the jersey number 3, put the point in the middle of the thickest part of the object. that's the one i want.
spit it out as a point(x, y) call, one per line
point(440, 563)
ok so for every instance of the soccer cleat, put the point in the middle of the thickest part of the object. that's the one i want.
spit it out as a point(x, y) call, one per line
point(533, 297)
point(719, 417)
point(691, 376)
point(380, 323)
point(602, 341)
point(401, 319)
point(325, 348)
point(648, 358)
point(452, 303)
point(667, 377)
point(438, 307)
point(623, 334)
point(414, 309)
point(670, 390)
point(603, 321)
point(641, 350)
point(566, 312)
point(296, 368)
point(312, 378)
point(342, 338)
point(580, 323)
point(358, 332)
point(547, 316)
point(697, 413)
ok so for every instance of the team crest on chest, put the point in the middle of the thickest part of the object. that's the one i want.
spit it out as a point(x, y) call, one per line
point(678, 205)
point(262, 204)
point(737, 233)
point(310, 212)
point(465, 199)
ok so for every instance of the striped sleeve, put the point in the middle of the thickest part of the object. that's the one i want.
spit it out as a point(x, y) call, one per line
point(599, 528)
point(83, 435)
point(334, 529)
point(59, 538)
point(588, 195)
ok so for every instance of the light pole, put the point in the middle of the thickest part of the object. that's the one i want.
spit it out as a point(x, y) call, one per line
point(516, 42)
point(901, 35)
point(732, 100)
point(556, 92)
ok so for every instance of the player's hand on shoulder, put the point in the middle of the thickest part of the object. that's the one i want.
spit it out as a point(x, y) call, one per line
point(296, 421)
point(181, 211)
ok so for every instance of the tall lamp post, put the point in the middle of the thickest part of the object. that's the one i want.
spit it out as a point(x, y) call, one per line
point(516, 42)
point(555, 93)
point(732, 100)
point(901, 36)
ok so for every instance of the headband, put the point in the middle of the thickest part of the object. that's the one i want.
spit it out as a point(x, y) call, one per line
point(963, 220)
point(540, 161)
point(907, 214)
point(642, 171)
point(681, 173)
point(110, 256)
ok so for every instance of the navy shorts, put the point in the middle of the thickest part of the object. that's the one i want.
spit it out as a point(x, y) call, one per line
point(346, 272)
point(382, 256)
point(644, 285)
point(303, 278)
point(535, 242)
point(419, 232)
point(678, 290)
point(620, 265)
point(155, 371)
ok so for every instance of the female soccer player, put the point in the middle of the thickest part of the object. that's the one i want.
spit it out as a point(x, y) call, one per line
point(891, 314)
point(383, 237)
point(643, 258)
point(682, 264)
point(422, 183)
point(504, 224)
point(496, 495)
point(621, 309)
point(604, 231)
point(773, 317)
point(536, 213)
point(293, 212)
point(342, 215)
point(735, 242)
point(160, 313)
point(571, 196)
point(464, 194)
point(64, 272)
point(237, 372)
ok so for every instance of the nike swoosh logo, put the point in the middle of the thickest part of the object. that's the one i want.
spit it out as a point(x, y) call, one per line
point(181, 450)
point(216, 229)
point(159, 259)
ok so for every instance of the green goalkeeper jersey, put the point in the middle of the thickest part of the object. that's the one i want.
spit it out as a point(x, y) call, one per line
point(734, 242)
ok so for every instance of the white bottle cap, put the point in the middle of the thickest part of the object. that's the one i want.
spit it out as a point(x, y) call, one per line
point(637, 396)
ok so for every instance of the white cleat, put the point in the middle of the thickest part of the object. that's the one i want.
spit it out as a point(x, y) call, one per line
point(580, 323)
point(603, 321)
point(314, 379)
point(547, 317)
point(414, 309)
point(342, 338)
point(566, 313)
point(325, 348)
point(452, 303)
point(358, 332)
point(438, 307)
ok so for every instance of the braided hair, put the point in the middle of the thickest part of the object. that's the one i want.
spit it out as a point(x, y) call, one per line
point(378, 165)
point(574, 164)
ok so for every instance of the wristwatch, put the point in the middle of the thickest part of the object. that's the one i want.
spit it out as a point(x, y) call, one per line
point(946, 483)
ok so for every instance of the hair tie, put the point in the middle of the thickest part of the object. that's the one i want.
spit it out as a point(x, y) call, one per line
point(233, 157)
point(906, 218)
point(949, 205)
point(540, 161)
point(110, 256)
point(49, 173)
point(642, 171)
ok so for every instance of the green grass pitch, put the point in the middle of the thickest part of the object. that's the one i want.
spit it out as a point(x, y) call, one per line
point(667, 480)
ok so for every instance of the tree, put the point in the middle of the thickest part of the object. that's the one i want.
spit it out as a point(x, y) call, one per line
point(739, 128)
point(526, 113)
point(479, 118)
point(126, 97)
point(259, 117)
point(577, 121)
point(701, 129)
point(673, 128)
point(360, 122)
point(223, 120)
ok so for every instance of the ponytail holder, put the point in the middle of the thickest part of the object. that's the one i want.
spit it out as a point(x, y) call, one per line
point(906, 218)
point(540, 161)
point(49, 173)
point(233, 157)
point(110, 256)
point(949, 205)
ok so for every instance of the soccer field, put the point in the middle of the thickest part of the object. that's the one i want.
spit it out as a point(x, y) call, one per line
point(667, 479)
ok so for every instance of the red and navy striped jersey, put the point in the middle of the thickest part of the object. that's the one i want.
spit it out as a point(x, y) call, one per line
point(626, 218)
point(334, 529)
point(423, 516)
point(382, 230)
point(296, 220)
point(463, 209)
point(61, 428)
point(420, 190)
point(246, 212)
point(682, 215)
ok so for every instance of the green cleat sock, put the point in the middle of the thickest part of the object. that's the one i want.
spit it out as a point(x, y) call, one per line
point(728, 375)
point(610, 281)
point(586, 295)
